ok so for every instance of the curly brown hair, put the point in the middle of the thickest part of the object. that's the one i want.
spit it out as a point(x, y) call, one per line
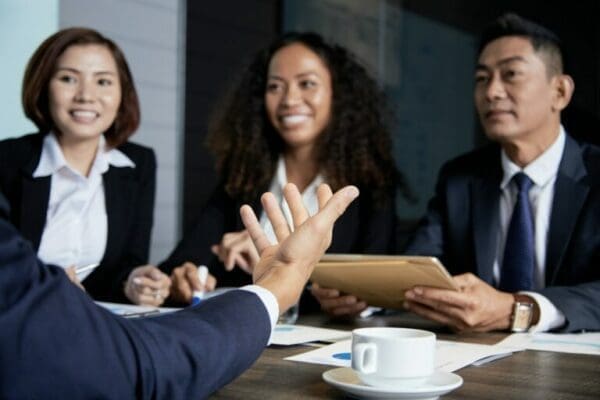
point(42, 66)
point(355, 147)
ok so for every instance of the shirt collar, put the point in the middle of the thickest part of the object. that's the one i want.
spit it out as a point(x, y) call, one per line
point(542, 169)
point(52, 158)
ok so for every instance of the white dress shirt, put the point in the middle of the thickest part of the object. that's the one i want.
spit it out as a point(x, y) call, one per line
point(309, 198)
point(76, 228)
point(542, 172)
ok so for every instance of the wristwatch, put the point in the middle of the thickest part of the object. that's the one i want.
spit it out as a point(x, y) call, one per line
point(522, 314)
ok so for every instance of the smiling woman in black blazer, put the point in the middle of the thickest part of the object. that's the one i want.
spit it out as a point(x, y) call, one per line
point(78, 191)
point(304, 111)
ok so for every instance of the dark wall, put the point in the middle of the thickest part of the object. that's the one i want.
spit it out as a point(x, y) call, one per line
point(221, 38)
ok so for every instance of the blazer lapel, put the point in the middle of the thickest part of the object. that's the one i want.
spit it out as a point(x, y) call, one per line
point(34, 199)
point(570, 192)
point(118, 186)
point(485, 194)
point(34, 207)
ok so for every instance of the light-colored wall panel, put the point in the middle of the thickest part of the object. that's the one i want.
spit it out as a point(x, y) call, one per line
point(141, 21)
point(24, 24)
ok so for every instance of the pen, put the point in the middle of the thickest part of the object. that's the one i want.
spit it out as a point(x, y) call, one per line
point(139, 314)
point(85, 268)
point(198, 295)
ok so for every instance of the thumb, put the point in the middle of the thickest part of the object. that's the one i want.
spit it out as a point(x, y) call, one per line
point(155, 273)
point(336, 205)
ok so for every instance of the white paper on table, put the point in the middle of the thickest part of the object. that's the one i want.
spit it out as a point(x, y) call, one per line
point(286, 335)
point(579, 343)
point(449, 356)
point(131, 310)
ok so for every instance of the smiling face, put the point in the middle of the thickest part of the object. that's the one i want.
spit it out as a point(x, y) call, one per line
point(298, 95)
point(515, 97)
point(84, 92)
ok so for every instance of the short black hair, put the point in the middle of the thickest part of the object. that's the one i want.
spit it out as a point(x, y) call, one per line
point(542, 39)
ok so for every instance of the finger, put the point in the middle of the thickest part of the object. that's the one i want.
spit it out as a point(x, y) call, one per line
point(215, 249)
point(339, 302)
point(190, 276)
point(181, 290)
point(144, 283)
point(254, 230)
point(211, 283)
point(324, 293)
point(434, 315)
point(439, 297)
point(236, 253)
point(275, 215)
point(229, 261)
point(336, 206)
point(295, 203)
point(145, 300)
point(323, 195)
point(156, 274)
point(350, 310)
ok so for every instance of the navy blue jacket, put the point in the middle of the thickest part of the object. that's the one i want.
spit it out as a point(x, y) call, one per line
point(55, 343)
point(461, 227)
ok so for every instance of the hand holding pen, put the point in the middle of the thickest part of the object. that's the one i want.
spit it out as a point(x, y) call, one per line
point(187, 280)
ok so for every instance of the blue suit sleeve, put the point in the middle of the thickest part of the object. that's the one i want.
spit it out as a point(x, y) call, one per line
point(56, 343)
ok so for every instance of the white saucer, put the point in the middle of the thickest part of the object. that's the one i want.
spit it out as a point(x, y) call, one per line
point(436, 385)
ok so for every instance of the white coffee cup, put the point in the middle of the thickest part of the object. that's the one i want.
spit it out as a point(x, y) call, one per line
point(393, 357)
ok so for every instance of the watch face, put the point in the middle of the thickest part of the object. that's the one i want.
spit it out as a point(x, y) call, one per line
point(521, 318)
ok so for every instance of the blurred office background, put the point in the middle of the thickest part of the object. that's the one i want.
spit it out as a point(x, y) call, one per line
point(183, 55)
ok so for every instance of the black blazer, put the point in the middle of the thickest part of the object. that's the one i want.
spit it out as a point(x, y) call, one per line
point(461, 227)
point(56, 343)
point(129, 199)
point(363, 228)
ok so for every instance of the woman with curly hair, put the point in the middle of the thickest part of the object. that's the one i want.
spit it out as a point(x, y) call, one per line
point(304, 112)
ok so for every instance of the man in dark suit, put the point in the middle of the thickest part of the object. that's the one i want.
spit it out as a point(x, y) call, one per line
point(56, 343)
point(517, 221)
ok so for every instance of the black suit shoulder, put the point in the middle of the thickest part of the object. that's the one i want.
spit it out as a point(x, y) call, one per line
point(591, 160)
point(16, 153)
point(479, 162)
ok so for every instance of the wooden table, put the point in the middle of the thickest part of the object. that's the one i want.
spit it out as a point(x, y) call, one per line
point(524, 375)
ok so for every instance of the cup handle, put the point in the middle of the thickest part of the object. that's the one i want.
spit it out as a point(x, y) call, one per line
point(364, 358)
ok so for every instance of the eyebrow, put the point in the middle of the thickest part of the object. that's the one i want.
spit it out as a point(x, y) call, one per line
point(76, 71)
point(300, 75)
point(504, 61)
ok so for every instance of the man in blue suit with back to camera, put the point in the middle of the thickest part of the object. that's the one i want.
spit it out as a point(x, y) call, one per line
point(56, 343)
point(518, 221)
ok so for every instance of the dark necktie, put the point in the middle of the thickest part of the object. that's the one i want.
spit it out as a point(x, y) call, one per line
point(519, 254)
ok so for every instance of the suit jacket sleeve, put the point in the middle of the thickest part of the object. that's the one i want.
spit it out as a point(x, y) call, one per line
point(56, 343)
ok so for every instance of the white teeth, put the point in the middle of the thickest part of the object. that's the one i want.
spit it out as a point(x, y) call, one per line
point(294, 119)
point(84, 114)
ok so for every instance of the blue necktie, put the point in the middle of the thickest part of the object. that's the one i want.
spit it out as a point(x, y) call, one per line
point(519, 255)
